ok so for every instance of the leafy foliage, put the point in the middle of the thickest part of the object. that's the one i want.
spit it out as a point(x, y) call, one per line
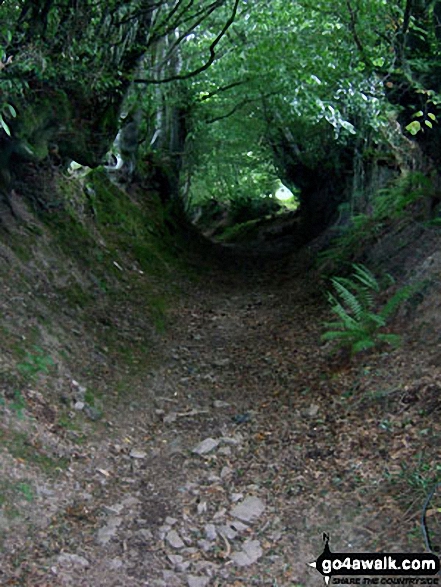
point(359, 325)
point(277, 82)
point(93, 53)
point(226, 174)
point(404, 199)
point(417, 126)
point(396, 200)
point(295, 83)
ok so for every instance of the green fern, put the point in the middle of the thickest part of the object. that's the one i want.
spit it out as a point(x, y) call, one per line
point(403, 200)
point(396, 200)
point(396, 300)
point(365, 277)
point(354, 303)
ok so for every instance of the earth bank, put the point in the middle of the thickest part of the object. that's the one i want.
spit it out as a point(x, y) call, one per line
point(171, 417)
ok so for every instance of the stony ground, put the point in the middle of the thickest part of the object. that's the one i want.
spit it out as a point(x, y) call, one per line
point(227, 457)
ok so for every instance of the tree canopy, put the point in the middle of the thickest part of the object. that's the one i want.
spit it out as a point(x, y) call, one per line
point(234, 95)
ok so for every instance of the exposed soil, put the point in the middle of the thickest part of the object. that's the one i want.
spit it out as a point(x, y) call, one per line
point(320, 442)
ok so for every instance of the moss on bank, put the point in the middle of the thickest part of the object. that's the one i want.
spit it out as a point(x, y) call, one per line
point(97, 285)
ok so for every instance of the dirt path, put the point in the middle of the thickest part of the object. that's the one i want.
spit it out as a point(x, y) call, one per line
point(225, 464)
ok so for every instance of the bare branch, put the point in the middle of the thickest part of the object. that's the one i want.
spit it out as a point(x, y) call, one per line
point(230, 113)
point(206, 10)
point(206, 65)
point(239, 106)
point(223, 89)
point(402, 33)
point(188, 31)
point(166, 26)
point(407, 16)
point(353, 27)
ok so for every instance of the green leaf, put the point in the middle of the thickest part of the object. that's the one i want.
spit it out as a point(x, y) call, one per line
point(11, 109)
point(5, 126)
point(348, 126)
point(419, 114)
point(428, 123)
point(432, 116)
point(414, 127)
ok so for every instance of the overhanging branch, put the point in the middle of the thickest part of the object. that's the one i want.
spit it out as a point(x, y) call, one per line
point(222, 89)
point(188, 31)
point(353, 28)
point(238, 106)
point(206, 65)
point(230, 113)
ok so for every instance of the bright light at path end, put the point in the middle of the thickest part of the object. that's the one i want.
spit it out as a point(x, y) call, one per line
point(283, 193)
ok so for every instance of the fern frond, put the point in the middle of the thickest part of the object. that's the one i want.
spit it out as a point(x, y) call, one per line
point(375, 319)
point(347, 320)
point(365, 277)
point(366, 296)
point(333, 325)
point(348, 298)
point(352, 303)
point(392, 339)
point(399, 297)
point(337, 335)
point(363, 345)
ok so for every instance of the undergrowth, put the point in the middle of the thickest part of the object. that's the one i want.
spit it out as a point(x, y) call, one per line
point(360, 324)
point(417, 485)
point(240, 232)
point(406, 199)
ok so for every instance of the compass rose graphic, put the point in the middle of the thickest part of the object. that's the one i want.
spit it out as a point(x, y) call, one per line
point(326, 554)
